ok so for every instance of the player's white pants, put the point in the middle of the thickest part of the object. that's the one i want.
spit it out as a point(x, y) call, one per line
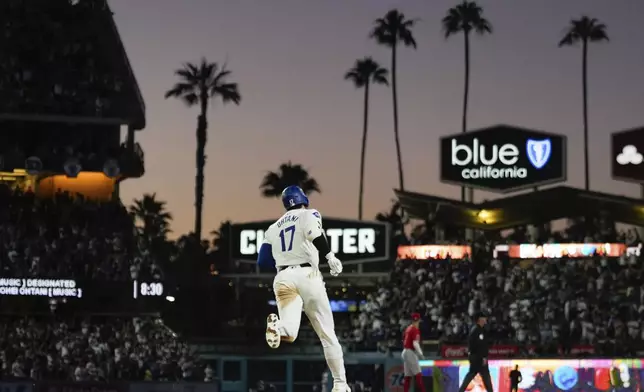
point(298, 288)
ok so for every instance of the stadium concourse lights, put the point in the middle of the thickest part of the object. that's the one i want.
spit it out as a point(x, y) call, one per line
point(487, 217)
point(14, 173)
point(484, 215)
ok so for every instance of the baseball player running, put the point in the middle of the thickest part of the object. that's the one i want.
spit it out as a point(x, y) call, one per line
point(293, 244)
point(411, 355)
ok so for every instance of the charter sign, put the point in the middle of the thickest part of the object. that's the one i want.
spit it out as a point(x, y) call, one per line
point(349, 240)
point(503, 158)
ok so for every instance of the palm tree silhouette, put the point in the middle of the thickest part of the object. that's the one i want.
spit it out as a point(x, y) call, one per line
point(152, 215)
point(395, 216)
point(390, 31)
point(220, 255)
point(197, 85)
point(363, 73)
point(288, 174)
point(397, 220)
point(465, 18)
point(221, 237)
point(584, 30)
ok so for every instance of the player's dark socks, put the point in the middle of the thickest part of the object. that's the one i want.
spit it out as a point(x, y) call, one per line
point(406, 384)
point(419, 382)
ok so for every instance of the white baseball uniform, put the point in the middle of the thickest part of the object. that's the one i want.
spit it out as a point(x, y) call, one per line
point(299, 286)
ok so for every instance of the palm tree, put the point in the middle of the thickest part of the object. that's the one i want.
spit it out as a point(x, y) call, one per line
point(288, 174)
point(395, 216)
point(152, 216)
point(363, 73)
point(390, 31)
point(465, 18)
point(584, 30)
point(220, 255)
point(197, 85)
point(397, 220)
point(221, 236)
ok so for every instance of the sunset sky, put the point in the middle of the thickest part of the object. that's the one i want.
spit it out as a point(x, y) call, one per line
point(289, 58)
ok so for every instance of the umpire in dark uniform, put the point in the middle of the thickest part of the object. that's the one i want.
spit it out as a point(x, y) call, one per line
point(478, 347)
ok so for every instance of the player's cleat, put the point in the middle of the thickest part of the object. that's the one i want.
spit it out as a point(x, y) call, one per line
point(272, 331)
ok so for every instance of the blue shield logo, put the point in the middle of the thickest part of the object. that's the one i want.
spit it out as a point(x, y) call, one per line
point(539, 152)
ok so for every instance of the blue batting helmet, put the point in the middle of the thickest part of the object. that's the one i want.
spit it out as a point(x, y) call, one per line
point(293, 196)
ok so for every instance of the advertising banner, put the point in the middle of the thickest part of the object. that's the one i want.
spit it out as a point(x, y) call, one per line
point(580, 350)
point(544, 375)
point(350, 240)
point(496, 351)
point(557, 251)
point(394, 375)
point(338, 306)
point(433, 252)
point(173, 387)
point(627, 155)
point(44, 386)
point(457, 351)
point(503, 158)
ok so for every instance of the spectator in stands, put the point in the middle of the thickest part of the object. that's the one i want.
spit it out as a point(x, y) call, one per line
point(70, 237)
point(546, 303)
point(94, 349)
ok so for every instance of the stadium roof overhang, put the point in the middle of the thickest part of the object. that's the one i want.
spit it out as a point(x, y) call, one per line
point(529, 208)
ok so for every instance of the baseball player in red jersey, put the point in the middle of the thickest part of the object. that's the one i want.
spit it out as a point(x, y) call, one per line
point(412, 353)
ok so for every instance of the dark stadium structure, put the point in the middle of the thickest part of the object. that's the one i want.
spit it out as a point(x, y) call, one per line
point(540, 206)
point(80, 291)
point(86, 299)
point(66, 90)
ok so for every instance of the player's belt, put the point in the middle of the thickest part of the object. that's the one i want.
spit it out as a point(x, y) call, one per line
point(295, 265)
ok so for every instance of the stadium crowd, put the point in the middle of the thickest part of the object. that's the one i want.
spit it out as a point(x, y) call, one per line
point(94, 349)
point(550, 304)
point(57, 237)
point(62, 58)
point(82, 239)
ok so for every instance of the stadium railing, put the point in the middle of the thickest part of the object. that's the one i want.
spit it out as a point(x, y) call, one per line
point(108, 386)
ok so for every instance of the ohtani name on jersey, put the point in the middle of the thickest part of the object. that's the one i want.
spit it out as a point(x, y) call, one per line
point(342, 241)
point(286, 219)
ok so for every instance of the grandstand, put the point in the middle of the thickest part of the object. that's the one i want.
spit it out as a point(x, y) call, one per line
point(67, 89)
point(82, 290)
point(85, 296)
point(566, 290)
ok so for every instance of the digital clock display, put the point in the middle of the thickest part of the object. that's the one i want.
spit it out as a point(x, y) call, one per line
point(147, 289)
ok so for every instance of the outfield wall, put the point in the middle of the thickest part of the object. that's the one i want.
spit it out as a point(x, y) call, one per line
point(298, 373)
point(544, 375)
